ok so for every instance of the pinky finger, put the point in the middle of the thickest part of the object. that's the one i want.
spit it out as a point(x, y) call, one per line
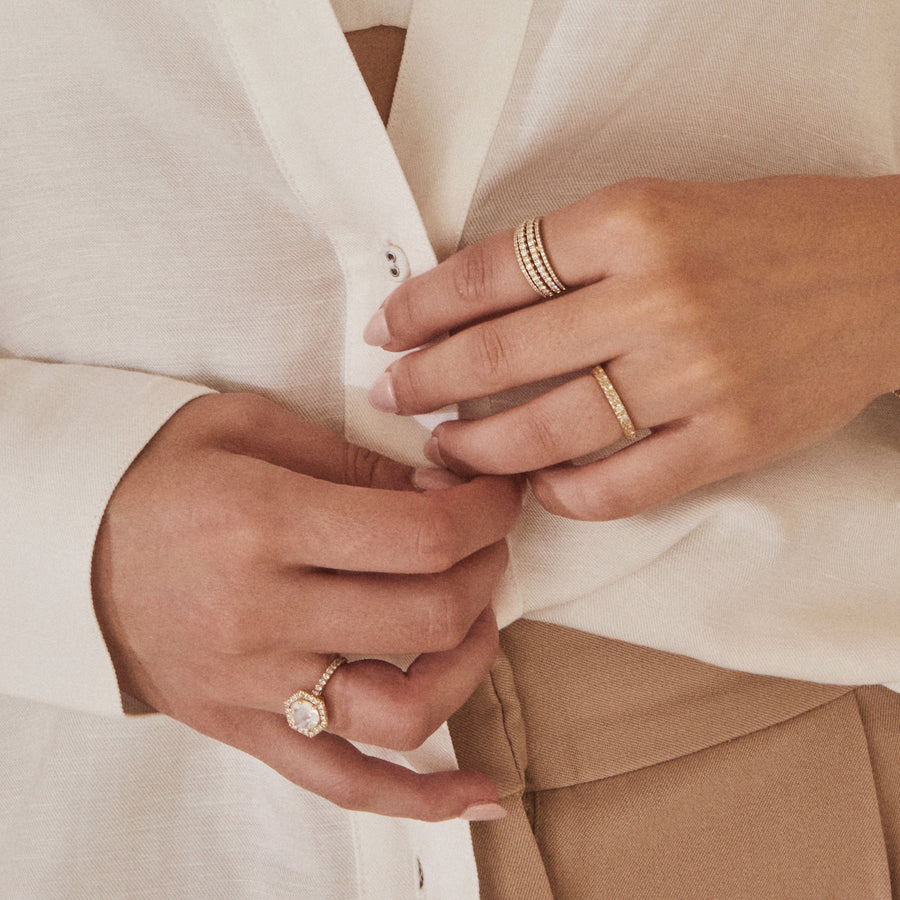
point(334, 769)
point(670, 462)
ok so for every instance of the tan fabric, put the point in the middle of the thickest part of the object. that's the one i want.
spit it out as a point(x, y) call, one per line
point(629, 772)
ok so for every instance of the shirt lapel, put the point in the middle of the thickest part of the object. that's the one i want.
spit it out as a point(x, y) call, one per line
point(458, 66)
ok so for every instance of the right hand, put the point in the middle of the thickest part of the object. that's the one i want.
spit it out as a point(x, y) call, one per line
point(245, 547)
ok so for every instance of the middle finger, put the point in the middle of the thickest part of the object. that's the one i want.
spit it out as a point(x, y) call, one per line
point(374, 613)
point(559, 336)
point(563, 424)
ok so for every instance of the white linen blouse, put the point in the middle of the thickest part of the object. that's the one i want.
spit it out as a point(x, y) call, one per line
point(202, 197)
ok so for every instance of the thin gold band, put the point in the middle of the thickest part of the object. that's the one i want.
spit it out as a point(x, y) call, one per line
point(615, 401)
point(533, 260)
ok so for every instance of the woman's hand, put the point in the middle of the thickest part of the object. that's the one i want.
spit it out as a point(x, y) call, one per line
point(245, 548)
point(738, 322)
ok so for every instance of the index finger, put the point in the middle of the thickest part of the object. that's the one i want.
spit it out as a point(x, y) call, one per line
point(484, 280)
point(336, 770)
point(361, 529)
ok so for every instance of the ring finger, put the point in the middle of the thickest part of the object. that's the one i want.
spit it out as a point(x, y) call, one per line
point(529, 345)
point(375, 702)
point(565, 423)
point(485, 279)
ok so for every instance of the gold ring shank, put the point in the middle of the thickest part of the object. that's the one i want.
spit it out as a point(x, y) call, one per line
point(615, 402)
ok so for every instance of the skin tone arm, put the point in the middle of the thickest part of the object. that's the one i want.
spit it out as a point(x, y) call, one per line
point(246, 547)
point(739, 322)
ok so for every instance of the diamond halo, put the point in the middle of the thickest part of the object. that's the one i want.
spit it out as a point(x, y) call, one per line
point(306, 713)
point(305, 710)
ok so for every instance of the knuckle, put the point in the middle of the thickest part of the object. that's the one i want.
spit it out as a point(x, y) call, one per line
point(246, 410)
point(709, 375)
point(645, 199)
point(244, 535)
point(644, 212)
point(411, 390)
point(409, 730)
point(445, 620)
point(686, 308)
point(229, 415)
point(405, 314)
point(353, 794)
point(676, 311)
point(360, 464)
point(712, 369)
point(740, 429)
point(491, 351)
point(437, 543)
point(541, 437)
point(233, 630)
point(474, 276)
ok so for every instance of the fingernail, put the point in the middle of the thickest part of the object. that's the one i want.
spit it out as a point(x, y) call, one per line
point(435, 479)
point(381, 395)
point(433, 452)
point(483, 812)
point(546, 493)
point(376, 332)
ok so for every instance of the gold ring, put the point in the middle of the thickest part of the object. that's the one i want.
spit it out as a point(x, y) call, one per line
point(305, 710)
point(615, 401)
point(533, 260)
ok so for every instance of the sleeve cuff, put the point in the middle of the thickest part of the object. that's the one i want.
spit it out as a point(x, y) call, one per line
point(67, 435)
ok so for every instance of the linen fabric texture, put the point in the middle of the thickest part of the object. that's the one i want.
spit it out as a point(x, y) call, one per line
point(202, 197)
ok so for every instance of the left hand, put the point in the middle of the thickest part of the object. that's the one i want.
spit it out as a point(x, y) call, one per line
point(737, 321)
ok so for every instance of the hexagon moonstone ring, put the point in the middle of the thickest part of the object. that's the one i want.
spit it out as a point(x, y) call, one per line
point(305, 710)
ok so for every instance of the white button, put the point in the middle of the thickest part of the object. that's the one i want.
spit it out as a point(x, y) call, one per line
point(396, 262)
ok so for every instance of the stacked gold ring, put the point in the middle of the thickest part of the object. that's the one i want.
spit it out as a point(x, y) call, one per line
point(533, 260)
point(535, 266)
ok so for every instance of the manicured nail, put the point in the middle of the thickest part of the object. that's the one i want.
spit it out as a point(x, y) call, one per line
point(376, 332)
point(483, 812)
point(381, 395)
point(435, 479)
point(433, 452)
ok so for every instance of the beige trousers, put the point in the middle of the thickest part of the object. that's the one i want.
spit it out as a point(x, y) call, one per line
point(633, 773)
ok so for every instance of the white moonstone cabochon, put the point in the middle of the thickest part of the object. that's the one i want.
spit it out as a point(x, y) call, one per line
point(305, 714)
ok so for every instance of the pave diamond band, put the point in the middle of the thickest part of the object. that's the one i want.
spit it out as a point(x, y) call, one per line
point(533, 260)
point(615, 402)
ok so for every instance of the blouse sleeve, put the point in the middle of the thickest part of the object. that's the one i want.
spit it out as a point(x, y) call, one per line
point(67, 435)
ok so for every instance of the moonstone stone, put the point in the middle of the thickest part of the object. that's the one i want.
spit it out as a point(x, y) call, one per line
point(305, 714)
